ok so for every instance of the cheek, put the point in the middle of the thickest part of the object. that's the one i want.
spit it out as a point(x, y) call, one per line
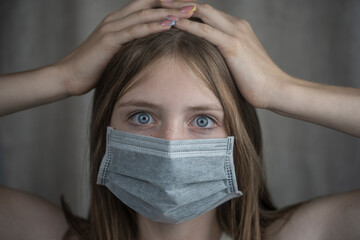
point(223, 132)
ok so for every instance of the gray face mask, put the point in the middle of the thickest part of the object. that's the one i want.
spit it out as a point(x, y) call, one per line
point(168, 181)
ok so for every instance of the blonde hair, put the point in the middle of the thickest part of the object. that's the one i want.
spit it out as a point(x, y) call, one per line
point(242, 218)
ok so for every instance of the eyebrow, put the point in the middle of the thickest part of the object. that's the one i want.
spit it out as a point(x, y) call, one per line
point(198, 108)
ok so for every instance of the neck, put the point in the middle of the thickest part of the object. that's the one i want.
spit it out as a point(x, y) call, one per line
point(205, 227)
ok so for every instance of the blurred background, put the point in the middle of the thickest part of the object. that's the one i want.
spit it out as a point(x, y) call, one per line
point(44, 150)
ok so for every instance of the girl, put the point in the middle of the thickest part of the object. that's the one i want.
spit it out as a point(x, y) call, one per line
point(175, 85)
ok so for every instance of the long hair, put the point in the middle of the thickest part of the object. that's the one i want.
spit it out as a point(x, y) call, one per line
point(243, 218)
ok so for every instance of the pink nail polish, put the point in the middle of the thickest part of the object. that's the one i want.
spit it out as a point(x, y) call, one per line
point(168, 23)
point(171, 17)
point(188, 9)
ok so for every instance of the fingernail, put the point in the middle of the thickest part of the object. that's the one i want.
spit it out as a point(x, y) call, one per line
point(171, 17)
point(188, 9)
point(168, 23)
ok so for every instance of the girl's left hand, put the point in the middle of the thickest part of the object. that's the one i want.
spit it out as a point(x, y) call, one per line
point(256, 75)
point(262, 83)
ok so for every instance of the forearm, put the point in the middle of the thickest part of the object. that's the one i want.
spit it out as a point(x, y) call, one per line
point(19, 91)
point(330, 106)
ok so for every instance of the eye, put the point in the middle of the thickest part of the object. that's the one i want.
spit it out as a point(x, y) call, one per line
point(142, 118)
point(203, 122)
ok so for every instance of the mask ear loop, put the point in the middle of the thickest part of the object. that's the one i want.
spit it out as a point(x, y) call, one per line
point(108, 156)
point(229, 165)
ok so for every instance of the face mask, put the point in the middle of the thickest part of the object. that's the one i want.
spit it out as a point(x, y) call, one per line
point(168, 181)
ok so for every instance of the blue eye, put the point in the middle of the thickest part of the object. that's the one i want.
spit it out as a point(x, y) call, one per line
point(142, 118)
point(203, 122)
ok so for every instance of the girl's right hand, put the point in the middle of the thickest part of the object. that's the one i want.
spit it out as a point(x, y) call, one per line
point(83, 67)
point(79, 72)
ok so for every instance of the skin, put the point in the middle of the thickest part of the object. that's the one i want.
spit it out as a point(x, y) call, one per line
point(178, 98)
point(266, 85)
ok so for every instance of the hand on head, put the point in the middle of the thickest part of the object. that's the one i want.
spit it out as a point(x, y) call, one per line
point(137, 19)
point(262, 83)
point(256, 75)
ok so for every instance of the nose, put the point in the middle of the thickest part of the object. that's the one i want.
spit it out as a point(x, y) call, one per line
point(172, 132)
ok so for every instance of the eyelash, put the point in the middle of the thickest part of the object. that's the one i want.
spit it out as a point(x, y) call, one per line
point(216, 123)
point(131, 115)
point(205, 128)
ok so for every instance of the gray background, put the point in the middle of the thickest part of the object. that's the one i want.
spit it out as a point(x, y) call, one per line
point(44, 150)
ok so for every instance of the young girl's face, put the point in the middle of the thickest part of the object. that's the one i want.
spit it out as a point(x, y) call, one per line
point(168, 102)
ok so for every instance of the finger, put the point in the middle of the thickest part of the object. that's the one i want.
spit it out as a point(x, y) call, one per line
point(135, 6)
point(224, 22)
point(181, 1)
point(137, 31)
point(178, 1)
point(213, 17)
point(176, 4)
point(203, 30)
point(179, 4)
point(144, 16)
point(228, 24)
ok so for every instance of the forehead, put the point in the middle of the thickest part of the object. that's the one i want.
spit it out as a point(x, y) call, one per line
point(169, 81)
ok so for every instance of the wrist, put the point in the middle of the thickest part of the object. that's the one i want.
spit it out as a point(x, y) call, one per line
point(281, 93)
point(58, 77)
point(292, 97)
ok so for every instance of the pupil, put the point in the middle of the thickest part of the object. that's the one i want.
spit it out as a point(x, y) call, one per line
point(202, 122)
point(143, 118)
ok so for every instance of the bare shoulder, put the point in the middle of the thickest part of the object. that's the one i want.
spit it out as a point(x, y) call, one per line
point(331, 217)
point(26, 216)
